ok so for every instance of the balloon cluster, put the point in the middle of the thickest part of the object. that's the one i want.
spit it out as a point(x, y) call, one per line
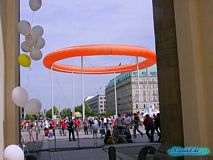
point(20, 98)
point(34, 41)
point(32, 45)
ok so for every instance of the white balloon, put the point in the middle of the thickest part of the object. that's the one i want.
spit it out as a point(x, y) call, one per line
point(31, 39)
point(36, 54)
point(33, 106)
point(13, 152)
point(35, 4)
point(20, 96)
point(24, 27)
point(37, 31)
point(26, 47)
point(40, 43)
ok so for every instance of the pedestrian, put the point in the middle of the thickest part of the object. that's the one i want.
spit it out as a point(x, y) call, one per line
point(30, 131)
point(63, 127)
point(102, 130)
point(127, 121)
point(136, 123)
point(70, 125)
point(119, 121)
point(108, 137)
point(109, 122)
point(149, 126)
point(157, 126)
point(105, 121)
point(90, 125)
point(37, 130)
point(85, 123)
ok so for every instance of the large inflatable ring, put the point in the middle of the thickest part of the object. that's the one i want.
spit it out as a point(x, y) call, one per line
point(97, 50)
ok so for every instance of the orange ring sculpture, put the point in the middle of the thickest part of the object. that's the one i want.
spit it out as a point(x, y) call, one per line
point(101, 49)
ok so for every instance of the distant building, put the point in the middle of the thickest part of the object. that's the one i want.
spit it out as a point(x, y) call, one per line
point(97, 103)
point(127, 92)
point(88, 98)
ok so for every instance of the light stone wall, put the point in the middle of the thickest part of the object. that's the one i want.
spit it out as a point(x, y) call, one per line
point(96, 102)
point(127, 95)
point(9, 73)
point(2, 84)
point(194, 30)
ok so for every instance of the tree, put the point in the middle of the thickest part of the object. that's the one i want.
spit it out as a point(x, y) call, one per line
point(49, 112)
point(30, 117)
point(65, 113)
point(88, 110)
point(105, 114)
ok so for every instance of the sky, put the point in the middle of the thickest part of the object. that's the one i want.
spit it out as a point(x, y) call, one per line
point(79, 22)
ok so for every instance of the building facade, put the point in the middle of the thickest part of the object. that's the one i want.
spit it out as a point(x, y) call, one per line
point(97, 103)
point(128, 94)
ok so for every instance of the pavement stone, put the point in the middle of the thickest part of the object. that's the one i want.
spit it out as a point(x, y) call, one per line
point(44, 148)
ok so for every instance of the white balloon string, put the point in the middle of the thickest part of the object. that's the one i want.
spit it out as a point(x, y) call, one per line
point(28, 78)
point(32, 18)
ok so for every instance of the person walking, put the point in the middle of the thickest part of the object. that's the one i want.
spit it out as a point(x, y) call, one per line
point(127, 121)
point(149, 126)
point(119, 121)
point(70, 127)
point(63, 127)
point(136, 122)
point(86, 124)
point(157, 126)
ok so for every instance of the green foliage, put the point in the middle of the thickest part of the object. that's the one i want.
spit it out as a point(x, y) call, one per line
point(49, 112)
point(65, 113)
point(78, 109)
point(88, 110)
point(30, 117)
point(105, 114)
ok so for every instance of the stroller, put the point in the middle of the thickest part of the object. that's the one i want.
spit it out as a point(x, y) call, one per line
point(121, 134)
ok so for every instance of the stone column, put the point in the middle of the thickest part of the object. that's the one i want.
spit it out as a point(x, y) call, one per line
point(10, 18)
point(168, 78)
point(2, 84)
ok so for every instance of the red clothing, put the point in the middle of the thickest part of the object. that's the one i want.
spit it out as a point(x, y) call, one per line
point(77, 123)
point(63, 125)
point(148, 121)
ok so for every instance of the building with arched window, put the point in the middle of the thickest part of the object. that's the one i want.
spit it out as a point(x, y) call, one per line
point(127, 92)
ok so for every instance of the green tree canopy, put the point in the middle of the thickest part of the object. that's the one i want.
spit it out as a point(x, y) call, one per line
point(49, 112)
point(88, 110)
point(30, 117)
point(65, 113)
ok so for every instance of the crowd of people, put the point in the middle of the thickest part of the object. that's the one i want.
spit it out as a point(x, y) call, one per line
point(114, 129)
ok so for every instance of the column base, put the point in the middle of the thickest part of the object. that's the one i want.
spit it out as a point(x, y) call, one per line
point(161, 153)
